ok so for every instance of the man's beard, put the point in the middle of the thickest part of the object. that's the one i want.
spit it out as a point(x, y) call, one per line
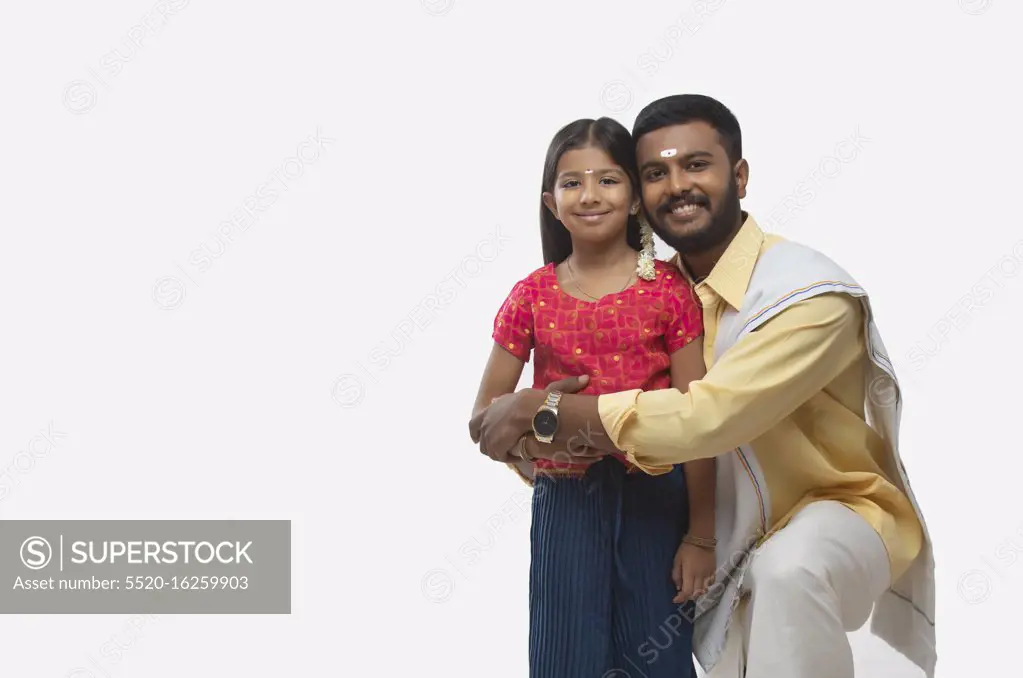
point(723, 220)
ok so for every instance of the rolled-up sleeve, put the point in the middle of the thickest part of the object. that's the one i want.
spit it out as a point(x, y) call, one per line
point(758, 382)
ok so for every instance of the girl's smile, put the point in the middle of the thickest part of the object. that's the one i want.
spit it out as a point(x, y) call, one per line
point(592, 217)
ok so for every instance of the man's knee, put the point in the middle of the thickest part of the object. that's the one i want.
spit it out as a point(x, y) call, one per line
point(796, 576)
point(786, 572)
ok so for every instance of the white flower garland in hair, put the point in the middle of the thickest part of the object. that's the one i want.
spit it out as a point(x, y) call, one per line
point(645, 264)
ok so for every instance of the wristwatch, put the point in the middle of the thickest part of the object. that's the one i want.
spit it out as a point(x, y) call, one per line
point(545, 421)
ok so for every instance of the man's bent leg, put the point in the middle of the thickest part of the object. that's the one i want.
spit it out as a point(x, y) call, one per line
point(812, 582)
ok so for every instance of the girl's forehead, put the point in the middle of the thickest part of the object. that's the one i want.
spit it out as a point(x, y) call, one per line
point(586, 160)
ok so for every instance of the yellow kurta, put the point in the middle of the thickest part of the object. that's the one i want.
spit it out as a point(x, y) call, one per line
point(793, 390)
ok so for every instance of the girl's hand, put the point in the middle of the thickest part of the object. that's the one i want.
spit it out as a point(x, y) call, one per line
point(692, 572)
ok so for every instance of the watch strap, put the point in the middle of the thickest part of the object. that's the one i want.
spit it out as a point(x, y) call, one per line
point(551, 401)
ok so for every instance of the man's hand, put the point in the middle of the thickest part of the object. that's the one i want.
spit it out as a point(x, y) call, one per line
point(498, 428)
point(504, 415)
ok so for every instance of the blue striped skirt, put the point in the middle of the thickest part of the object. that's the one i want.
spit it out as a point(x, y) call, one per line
point(600, 585)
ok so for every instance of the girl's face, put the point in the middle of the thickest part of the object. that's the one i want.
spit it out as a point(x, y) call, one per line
point(592, 196)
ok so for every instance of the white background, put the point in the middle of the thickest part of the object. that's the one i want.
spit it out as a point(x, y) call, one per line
point(255, 388)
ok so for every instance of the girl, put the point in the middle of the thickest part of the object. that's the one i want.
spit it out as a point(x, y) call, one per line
point(607, 539)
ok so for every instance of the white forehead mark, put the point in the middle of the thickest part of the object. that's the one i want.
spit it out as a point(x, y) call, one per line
point(588, 172)
point(669, 152)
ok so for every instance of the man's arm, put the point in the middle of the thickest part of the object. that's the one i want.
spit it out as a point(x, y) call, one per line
point(758, 382)
point(753, 386)
point(500, 426)
point(579, 423)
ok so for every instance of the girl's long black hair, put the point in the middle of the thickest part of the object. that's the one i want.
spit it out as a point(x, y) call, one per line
point(608, 135)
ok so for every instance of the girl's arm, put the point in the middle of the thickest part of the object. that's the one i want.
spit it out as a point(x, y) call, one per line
point(701, 474)
point(500, 377)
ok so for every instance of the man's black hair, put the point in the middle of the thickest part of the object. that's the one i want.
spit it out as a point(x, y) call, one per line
point(680, 109)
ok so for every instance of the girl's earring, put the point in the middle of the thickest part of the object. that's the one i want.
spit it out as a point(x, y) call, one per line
point(645, 263)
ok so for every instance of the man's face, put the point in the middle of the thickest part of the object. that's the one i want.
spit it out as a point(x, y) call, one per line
point(691, 190)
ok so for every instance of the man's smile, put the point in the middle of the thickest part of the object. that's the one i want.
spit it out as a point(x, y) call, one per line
point(684, 209)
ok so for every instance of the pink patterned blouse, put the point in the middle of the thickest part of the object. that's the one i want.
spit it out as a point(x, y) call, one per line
point(623, 341)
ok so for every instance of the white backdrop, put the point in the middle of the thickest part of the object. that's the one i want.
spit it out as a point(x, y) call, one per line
point(252, 252)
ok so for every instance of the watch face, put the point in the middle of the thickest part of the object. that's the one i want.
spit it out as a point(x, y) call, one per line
point(545, 423)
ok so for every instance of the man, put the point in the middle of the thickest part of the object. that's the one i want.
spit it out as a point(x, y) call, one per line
point(817, 524)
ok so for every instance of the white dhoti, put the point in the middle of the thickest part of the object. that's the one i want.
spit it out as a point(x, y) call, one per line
point(808, 585)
